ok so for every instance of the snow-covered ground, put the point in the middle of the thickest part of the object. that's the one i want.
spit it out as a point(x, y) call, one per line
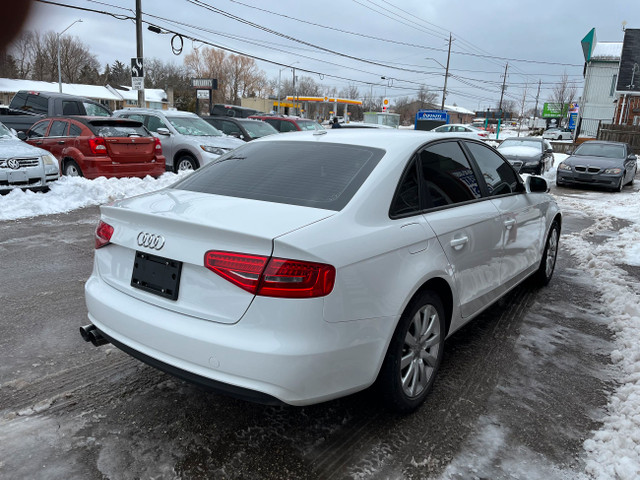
point(613, 452)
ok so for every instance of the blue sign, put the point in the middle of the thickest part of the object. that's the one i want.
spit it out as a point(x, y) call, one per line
point(436, 115)
point(573, 118)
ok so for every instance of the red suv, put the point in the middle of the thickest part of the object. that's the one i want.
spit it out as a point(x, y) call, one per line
point(99, 146)
point(289, 124)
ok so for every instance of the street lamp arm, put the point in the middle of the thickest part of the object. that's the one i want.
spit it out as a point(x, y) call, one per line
point(58, 38)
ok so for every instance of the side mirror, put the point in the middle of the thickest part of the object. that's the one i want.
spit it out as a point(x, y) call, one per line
point(569, 152)
point(163, 131)
point(549, 150)
point(22, 136)
point(535, 184)
point(632, 157)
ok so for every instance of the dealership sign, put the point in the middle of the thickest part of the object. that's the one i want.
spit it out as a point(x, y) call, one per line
point(434, 115)
point(555, 110)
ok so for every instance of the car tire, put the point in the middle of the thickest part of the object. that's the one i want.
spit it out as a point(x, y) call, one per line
point(71, 169)
point(414, 354)
point(185, 162)
point(549, 256)
point(620, 185)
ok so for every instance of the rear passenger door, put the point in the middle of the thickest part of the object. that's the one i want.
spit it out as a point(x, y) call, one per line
point(522, 217)
point(467, 224)
point(56, 138)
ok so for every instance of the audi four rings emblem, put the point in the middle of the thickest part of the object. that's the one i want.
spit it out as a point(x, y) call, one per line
point(13, 163)
point(150, 240)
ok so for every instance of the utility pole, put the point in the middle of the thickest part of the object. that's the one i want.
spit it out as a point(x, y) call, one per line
point(446, 75)
point(535, 110)
point(504, 81)
point(141, 102)
point(295, 93)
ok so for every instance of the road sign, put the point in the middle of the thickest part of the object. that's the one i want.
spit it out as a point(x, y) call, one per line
point(385, 104)
point(137, 67)
point(137, 83)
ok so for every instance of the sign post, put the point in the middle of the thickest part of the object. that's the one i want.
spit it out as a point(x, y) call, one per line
point(204, 87)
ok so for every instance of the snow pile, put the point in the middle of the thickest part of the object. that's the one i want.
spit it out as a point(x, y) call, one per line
point(614, 451)
point(71, 193)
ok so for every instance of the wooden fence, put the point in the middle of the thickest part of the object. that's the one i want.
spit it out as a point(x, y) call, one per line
point(621, 133)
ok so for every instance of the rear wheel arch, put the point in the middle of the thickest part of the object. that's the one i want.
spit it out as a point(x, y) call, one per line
point(442, 289)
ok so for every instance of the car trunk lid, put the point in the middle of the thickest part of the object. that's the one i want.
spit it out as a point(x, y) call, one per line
point(179, 227)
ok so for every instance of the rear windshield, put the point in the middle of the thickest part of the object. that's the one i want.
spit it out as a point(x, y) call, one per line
point(257, 128)
point(119, 129)
point(320, 175)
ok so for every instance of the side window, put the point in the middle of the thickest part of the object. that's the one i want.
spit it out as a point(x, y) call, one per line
point(154, 123)
point(71, 107)
point(274, 123)
point(287, 127)
point(498, 174)
point(447, 175)
point(95, 110)
point(58, 129)
point(407, 199)
point(38, 130)
point(74, 130)
point(230, 128)
point(37, 104)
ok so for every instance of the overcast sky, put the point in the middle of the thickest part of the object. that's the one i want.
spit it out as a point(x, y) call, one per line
point(404, 41)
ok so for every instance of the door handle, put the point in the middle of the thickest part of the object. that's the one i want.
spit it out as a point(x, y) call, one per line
point(509, 223)
point(458, 243)
point(61, 142)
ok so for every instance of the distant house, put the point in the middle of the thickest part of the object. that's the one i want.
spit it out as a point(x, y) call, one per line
point(602, 60)
point(113, 98)
point(459, 114)
point(628, 85)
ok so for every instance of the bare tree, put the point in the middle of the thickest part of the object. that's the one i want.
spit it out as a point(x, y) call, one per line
point(564, 93)
point(426, 98)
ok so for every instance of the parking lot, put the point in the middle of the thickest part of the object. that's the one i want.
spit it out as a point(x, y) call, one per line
point(521, 388)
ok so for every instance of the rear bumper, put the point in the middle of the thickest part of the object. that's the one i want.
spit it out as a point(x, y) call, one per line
point(94, 167)
point(279, 351)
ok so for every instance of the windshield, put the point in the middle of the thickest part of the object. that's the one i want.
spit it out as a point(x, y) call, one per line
point(4, 131)
point(600, 150)
point(258, 129)
point(309, 125)
point(194, 126)
point(520, 142)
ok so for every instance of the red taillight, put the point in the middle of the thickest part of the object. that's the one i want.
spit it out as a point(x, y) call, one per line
point(158, 146)
point(104, 231)
point(272, 277)
point(98, 145)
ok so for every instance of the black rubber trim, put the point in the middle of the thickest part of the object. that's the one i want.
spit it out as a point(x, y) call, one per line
point(203, 382)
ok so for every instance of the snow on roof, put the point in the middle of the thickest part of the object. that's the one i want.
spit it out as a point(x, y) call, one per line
point(604, 51)
point(95, 92)
point(461, 110)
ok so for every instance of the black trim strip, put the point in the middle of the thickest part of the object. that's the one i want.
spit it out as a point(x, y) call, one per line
point(203, 382)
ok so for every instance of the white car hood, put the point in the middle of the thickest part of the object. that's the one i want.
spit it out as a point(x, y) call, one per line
point(224, 141)
point(11, 147)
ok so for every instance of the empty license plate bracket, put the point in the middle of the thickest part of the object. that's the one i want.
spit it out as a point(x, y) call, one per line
point(157, 275)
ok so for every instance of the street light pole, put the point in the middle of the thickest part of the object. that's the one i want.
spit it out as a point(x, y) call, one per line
point(59, 71)
point(279, 81)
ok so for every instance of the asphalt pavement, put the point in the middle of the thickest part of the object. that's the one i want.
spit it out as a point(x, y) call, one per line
point(521, 387)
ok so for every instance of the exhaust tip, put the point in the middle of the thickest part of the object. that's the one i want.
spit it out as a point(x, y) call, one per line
point(96, 338)
point(85, 331)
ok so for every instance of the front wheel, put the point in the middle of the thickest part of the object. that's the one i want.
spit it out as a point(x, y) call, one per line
point(414, 354)
point(548, 262)
point(186, 162)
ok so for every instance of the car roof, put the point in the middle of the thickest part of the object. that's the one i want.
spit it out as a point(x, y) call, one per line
point(86, 119)
point(604, 142)
point(168, 113)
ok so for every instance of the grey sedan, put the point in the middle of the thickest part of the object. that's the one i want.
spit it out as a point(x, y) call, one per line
point(599, 163)
point(528, 154)
point(24, 166)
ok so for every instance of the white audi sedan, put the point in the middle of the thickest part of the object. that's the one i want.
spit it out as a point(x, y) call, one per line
point(300, 268)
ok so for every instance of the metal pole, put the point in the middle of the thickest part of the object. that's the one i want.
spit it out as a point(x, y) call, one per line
point(295, 92)
point(446, 75)
point(141, 102)
point(59, 70)
point(279, 80)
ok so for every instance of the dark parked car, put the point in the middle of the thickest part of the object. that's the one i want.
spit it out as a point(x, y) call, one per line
point(528, 154)
point(223, 110)
point(27, 107)
point(246, 129)
point(98, 146)
point(289, 124)
point(603, 164)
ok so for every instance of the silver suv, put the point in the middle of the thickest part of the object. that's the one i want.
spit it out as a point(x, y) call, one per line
point(188, 142)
